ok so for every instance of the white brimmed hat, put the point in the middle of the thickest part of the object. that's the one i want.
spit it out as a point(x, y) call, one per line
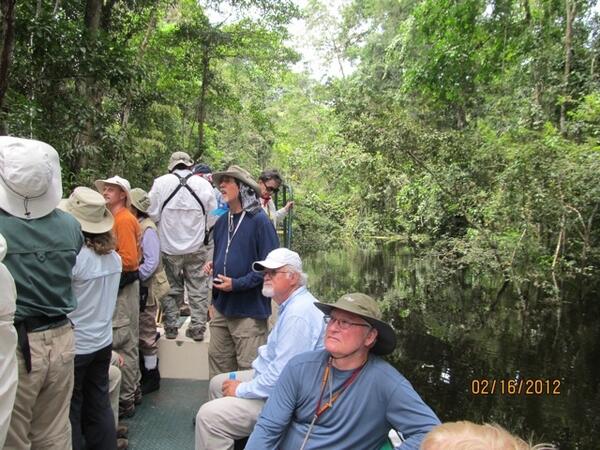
point(89, 208)
point(278, 258)
point(180, 158)
point(30, 179)
point(117, 180)
point(367, 308)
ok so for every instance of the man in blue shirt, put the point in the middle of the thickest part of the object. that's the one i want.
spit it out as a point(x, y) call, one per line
point(238, 397)
point(343, 397)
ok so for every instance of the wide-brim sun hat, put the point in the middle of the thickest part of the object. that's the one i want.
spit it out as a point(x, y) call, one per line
point(239, 174)
point(367, 308)
point(118, 181)
point(180, 158)
point(30, 177)
point(89, 208)
point(140, 199)
point(278, 258)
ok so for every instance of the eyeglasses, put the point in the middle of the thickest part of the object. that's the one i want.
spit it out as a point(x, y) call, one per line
point(271, 189)
point(343, 324)
point(272, 272)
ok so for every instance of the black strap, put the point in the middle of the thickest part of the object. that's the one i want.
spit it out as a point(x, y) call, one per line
point(183, 183)
point(24, 344)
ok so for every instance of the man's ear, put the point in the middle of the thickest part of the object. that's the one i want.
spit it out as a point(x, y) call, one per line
point(371, 337)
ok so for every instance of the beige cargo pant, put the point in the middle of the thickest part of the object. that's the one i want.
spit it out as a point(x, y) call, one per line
point(234, 342)
point(222, 420)
point(40, 418)
point(126, 338)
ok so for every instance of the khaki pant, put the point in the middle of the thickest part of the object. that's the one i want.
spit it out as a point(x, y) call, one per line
point(234, 343)
point(8, 373)
point(148, 342)
point(224, 419)
point(125, 339)
point(40, 418)
point(114, 386)
point(196, 284)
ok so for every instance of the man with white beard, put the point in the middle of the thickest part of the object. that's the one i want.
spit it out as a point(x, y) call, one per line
point(236, 398)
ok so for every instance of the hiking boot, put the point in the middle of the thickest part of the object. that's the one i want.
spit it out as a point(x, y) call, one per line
point(185, 311)
point(122, 430)
point(126, 410)
point(197, 335)
point(122, 444)
point(137, 396)
point(150, 381)
point(171, 332)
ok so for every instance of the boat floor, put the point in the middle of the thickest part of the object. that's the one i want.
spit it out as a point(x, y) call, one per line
point(164, 419)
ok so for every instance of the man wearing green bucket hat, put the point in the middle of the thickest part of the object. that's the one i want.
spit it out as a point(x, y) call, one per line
point(345, 396)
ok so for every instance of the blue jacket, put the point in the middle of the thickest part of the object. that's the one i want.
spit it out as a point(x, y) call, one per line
point(254, 239)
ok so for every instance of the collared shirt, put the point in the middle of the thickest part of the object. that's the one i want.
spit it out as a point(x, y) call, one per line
point(299, 328)
point(274, 215)
point(150, 253)
point(181, 224)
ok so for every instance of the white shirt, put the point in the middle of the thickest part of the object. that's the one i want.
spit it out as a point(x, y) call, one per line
point(181, 225)
point(95, 284)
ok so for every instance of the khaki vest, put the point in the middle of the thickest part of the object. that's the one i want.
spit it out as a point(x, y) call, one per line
point(158, 285)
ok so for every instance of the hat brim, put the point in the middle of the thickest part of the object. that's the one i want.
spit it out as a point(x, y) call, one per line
point(259, 266)
point(100, 187)
point(105, 225)
point(250, 182)
point(386, 336)
point(37, 207)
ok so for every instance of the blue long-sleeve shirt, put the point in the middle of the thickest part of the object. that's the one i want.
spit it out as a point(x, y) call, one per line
point(254, 239)
point(379, 399)
point(150, 252)
point(299, 328)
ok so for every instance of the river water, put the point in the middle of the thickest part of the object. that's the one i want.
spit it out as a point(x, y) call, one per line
point(475, 351)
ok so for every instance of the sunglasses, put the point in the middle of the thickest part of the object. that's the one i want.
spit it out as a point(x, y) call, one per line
point(271, 189)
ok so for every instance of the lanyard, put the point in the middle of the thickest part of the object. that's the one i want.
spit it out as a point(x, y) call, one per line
point(230, 235)
point(320, 409)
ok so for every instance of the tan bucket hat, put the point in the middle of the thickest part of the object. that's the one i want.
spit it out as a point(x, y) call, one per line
point(367, 308)
point(140, 199)
point(180, 158)
point(119, 181)
point(30, 178)
point(239, 174)
point(89, 208)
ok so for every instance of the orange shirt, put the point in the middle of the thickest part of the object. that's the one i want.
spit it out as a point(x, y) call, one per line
point(127, 233)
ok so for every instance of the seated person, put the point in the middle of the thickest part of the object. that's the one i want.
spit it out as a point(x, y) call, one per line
point(236, 398)
point(344, 397)
point(466, 435)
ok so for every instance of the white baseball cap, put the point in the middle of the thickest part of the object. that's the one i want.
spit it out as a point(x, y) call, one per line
point(278, 258)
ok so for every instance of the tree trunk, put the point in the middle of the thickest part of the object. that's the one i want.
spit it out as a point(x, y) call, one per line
point(8, 36)
point(570, 10)
point(202, 102)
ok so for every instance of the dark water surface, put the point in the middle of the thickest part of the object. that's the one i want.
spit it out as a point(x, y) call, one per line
point(469, 346)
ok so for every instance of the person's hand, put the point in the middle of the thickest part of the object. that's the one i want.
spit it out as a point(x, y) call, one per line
point(229, 387)
point(120, 360)
point(208, 268)
point(289, 205)
point(226, 284)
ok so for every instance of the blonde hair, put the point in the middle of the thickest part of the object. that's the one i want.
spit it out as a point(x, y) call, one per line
point(102, 243)
point(464, 435)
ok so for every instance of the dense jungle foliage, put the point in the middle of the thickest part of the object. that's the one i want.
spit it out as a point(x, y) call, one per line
point(471, 125)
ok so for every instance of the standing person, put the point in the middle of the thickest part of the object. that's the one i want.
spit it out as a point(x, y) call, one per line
point(42, 247)
point(242, 236)
point(154, 286)
point(95, 284)
point(126, 231)
point(8, 344)
point(236, 403)
point(270, 182)
point(180, 204)
point(345, 396)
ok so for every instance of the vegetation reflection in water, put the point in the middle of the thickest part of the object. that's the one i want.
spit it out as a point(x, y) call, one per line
point(463, 336)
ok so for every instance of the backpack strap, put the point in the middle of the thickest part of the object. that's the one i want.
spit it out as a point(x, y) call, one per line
point(183, 183)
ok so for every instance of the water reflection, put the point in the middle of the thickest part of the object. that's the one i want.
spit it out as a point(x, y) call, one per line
point(460, 331)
